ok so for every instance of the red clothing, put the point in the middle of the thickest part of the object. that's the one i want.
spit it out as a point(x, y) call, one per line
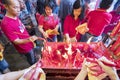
point(116, 47)
point(14, 29)
point(115, 19)
point(97, 20)
point(115, 16)
point(48, 22)
point(115, 30)
point(69, 26)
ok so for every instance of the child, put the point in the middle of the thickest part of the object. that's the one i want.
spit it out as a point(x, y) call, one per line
point(15, 31)
point(3, 63)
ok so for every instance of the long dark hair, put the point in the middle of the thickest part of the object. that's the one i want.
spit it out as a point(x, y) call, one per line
point(78, 4)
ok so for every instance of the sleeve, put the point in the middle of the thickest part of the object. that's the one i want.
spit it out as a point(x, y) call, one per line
point(108, 18)
point(41, 20)
point(10, 32)
point(66, 25)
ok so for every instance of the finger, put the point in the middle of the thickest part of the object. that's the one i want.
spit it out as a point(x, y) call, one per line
point(107, 62)
point(100, 63)
point(89, 64)
point(104, 59)
point(95, 68)
point(102, 76)
point(91, 72)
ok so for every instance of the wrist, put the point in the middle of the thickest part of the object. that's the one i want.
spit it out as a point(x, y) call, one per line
point(30, 39)
point(113, 76)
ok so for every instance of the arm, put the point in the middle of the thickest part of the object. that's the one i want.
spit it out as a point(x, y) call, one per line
point(111, 71)
point(12, 75)
point(56, 28)
point(83, 73)
point(23, 41)
point(66, 26)
point(40, 27)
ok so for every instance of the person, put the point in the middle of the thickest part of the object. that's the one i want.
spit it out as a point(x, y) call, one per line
point(40, 6)
point(4, 66)
point(48, 21)
point(26, 19)
point(115, 47)
point(71, 22)
point(31, 6)
point(15, 31)
point(115, 19)
point(25, 74)
point(97, 20)
point(65, 8)
point(2, 10)
point(12, 75)
point(110, 71)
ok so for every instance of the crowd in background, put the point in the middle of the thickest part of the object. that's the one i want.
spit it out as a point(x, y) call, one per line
point(57, 20)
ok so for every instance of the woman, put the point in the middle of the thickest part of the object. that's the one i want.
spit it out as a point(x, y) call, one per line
point(48, 23)
point(71, 22)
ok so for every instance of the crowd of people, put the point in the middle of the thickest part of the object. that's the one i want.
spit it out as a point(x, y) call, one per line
point(57, 21)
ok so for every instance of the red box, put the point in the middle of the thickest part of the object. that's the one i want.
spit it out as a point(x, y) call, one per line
point(70, 56)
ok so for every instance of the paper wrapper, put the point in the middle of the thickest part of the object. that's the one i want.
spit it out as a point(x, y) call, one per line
point(52, 32)
point(63, 55)
point(82, 29)
point(34, 73)
point(71, 55)
point(115, 48)
point(92, 63)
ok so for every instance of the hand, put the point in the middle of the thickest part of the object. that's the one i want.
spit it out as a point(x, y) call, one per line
point(83, 73)
point(33, 38)
point(110, 71)
point(82, 29)
point(107, 69)
point(45, 35)
point(28, 27)
point(73, 39)
point(52, 32)
point(67, 40)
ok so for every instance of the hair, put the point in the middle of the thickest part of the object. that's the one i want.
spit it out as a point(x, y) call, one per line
point(105, 4)
point(6, 2)
point(78, 4)
point(49, 4)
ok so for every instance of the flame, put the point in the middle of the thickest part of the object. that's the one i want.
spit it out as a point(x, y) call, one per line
point(65, 56)
point(69, 49)
point(58, 52)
